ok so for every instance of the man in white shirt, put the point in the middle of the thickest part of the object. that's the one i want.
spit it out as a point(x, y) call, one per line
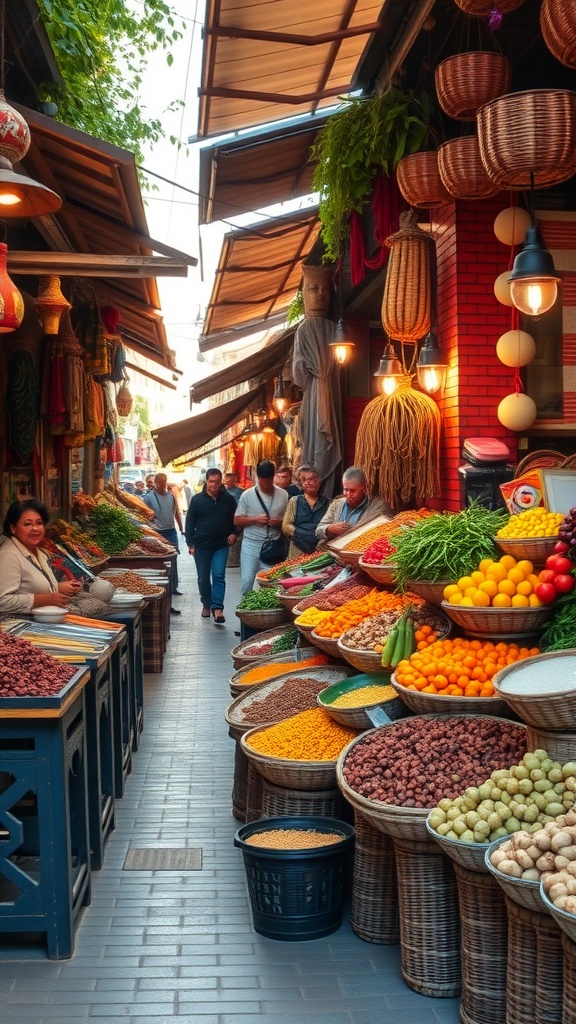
point(259, 524)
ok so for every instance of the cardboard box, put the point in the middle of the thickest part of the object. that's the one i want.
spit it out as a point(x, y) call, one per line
point(524, 492)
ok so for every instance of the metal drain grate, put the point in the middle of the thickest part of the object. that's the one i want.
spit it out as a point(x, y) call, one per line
point(164, 859)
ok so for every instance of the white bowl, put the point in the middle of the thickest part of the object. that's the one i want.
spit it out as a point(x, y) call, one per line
point(49, 613)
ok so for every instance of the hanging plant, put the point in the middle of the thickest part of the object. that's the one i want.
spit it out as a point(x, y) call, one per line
point(296, 308)
point(365, 138)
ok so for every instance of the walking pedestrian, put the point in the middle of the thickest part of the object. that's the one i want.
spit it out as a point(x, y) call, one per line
point(166, 512)
point(259, 514)
point(210, 532)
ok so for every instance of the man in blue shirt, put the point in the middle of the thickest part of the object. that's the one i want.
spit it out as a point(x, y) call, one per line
point(165, 509)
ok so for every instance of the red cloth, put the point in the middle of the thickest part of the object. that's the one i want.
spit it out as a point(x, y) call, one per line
point(387, 202)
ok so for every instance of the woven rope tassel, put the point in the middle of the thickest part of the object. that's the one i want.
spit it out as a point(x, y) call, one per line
point(406, 306)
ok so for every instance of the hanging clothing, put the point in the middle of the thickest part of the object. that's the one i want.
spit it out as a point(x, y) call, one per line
point(316, 373)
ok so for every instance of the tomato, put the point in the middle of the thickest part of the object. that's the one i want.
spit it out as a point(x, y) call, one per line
point(561, 548)
point(564, 584)
point(546, 592)
point(547, 576)
point(558, 563)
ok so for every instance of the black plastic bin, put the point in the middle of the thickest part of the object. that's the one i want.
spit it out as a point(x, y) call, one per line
point(296, 894)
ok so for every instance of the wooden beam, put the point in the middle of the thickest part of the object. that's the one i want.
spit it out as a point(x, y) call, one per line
point(72, 264)
point(291, 38)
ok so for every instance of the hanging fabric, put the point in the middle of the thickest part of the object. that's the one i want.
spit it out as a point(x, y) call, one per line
point(22, 404)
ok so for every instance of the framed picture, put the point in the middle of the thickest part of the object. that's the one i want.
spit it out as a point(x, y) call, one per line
point(21, 484)
point(54, 493)
point(559, 489)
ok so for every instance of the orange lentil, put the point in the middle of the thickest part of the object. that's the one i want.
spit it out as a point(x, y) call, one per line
point(353, 612)
point(308, 736)
point(261, 672)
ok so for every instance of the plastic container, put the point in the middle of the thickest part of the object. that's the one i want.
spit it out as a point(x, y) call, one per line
point(296, 894)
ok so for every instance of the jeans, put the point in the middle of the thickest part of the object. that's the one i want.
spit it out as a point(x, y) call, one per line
point(211, 570)
point(250, 563)
point(172, 537)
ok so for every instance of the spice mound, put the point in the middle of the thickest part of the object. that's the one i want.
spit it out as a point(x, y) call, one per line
point(261, 672)
point(26, 671)
point(133, 583)
point(293, 839)
point(294, 695)
point(309, 736)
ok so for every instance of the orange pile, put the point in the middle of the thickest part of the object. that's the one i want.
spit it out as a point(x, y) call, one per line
point(459, 667)
point(353, 612)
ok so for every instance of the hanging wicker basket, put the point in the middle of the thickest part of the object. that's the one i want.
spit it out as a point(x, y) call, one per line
point(529, 133)
point(462, 170)
point(406, 305)
point(124, 400)
point(558, 25)
point(419, 180)
point(483, 8)
point(467, 81)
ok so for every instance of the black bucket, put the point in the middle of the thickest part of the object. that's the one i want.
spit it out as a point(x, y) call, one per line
point(296, 894)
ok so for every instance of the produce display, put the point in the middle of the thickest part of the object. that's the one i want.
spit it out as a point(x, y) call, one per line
point(285, 641)
point(502, 583)
point(353, 612)
point(381, 631)
point(292, 839)
point(541, 677)
point(295, 694)
point(75, 541)
point(311, 563)
point(259, 673)
point(308, 736)
point(311, 617)
point(526, 796)
point(541, 856)
point(533, 522)
point(380, 552)
point(133, 583)
point(556, 578)
point(560, 633)
point(420, 761)
point(373, 534)
point(27, 672)
point(358, 585)
point(256, 600)
point(115, 529)
point(567, 533)
point(364, 695)
point(559, 880)
point(447, 545)
point(459, 667)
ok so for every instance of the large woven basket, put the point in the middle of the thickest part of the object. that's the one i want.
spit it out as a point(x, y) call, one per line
point(419, 180)
point(469, 855)
point(384, 574)
point(446, 704)
point(558, 25)
point(303, 654)
point(535, 549)
point(465, 81)
point(346, 557)
point(544, 710)
point(566, 921)
point(521, 890)
point(431, 592)
point(233, 715)
point(515, 622)
point(262, 618)
point(462, 170)
point(263, 582)
point(527, 135)
point(281, 771)
point(240, 654)
point(325, 643)
point(359, 717)
point(560, 746)
point(482, 8)
point(363, 660)
point(286, 599)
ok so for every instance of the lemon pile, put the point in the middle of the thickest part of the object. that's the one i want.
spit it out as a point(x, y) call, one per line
point(507, 583)
point(534, 522)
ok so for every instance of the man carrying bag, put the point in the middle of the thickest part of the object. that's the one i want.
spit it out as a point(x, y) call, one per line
point(260, 512)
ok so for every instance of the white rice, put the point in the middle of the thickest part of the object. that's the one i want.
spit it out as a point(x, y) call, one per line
point(553, 674)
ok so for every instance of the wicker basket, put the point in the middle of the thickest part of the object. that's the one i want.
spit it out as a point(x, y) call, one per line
point(307, 775)
point(469, 855)
point(262, 618)
point(326, 644)
point(465, 81)
point(374, 914)
point(287, 600)
point(345, 557)
point(535, 549)
point(431, 592)
point(240, 658)
point(482, 8)
point(567, 922)
point(384, 574)
point(363, 660)
point(446, 704)
point(359, 717)
point(419, 180)
point(560, 746)
point(238, 688)
point(484, 928)
point(521, 890)
point(328, 674)
point(558, 25)
point(277, 801)
point(462, 170)
point(544, 710)
point(263, 582)
point(527, 135)
point(516, 622)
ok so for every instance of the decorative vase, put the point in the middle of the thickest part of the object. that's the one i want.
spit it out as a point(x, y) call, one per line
point(316, 289)
point(51, 304)
point(11, 301)
point(406, 305)
point(14, 132)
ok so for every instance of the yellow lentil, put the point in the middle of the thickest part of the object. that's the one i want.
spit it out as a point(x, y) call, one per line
point(308, 736)
point(311, 617)
point(293, 839)
point(364, 695)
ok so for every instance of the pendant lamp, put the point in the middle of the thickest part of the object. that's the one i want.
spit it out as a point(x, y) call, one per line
point(390, 372)
point(11, 301)
point(341, 346)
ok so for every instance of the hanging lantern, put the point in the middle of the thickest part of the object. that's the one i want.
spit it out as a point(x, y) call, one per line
point(511, 225)
point(20, 196)
point(502, 289)
point(407, 301)
point(11, 301)
point(517, 411)
point(14, 132)
point(516, 348)
point(124, 400)
point(51, 304)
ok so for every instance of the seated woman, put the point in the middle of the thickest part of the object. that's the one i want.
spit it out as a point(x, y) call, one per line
point(303, 513)
point(26, 579)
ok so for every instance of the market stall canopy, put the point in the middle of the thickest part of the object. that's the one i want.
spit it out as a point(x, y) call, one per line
point(257, 277)
point(259, 367)
point(263, 62)
point(177, 439)
point(259, 169)
point(102, 215)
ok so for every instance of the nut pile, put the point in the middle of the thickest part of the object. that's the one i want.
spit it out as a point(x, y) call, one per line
point(422, 760)
point(133, 583)
point(26, 671)
point(294, 695)
point(374, 630)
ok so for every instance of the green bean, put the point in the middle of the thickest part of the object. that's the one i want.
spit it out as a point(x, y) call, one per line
point(560, 633)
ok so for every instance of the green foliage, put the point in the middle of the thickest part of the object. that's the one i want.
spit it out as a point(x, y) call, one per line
point(296, 308)
point(101, 47)
point(365, 138)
